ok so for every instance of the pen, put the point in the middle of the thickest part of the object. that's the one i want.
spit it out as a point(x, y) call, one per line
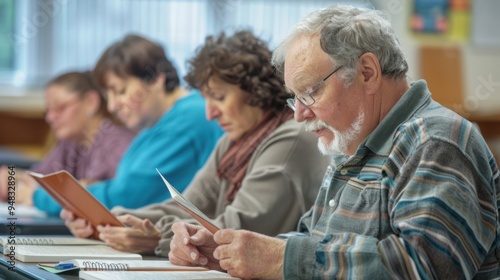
point(61, 266)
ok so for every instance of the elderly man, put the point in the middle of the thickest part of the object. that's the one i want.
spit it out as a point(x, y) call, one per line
point(412, 188)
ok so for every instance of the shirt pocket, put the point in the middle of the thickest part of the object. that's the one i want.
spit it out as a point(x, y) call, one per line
point(361, 206)
point(361, 196)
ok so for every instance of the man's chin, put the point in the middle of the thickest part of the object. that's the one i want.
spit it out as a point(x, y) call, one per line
point(322, 150)
point(326, 149)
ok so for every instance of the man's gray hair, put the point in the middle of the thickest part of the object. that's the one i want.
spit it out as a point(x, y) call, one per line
point(346, 33)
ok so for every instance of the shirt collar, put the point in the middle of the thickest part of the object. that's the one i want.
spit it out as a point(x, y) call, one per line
point(380, 140)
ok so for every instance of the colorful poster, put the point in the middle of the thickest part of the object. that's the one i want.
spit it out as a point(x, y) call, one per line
point(430, 16)
point(444, 19)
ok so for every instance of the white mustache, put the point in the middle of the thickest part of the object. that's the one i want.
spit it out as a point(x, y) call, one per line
point(316, 125)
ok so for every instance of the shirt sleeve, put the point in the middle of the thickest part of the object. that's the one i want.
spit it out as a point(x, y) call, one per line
point(443, 218)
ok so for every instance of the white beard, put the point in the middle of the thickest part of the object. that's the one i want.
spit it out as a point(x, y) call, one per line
point(341, 140)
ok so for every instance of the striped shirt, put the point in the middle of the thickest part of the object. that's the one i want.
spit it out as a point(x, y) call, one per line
point(418, 200)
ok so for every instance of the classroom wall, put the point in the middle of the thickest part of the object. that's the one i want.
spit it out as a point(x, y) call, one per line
point(480, 71)
point(482, 79)
point(467, 77)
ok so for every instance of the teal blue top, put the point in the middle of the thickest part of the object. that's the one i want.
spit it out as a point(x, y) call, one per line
point(178, 145)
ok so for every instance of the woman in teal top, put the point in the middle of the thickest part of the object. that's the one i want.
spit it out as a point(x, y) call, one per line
point(142, 88)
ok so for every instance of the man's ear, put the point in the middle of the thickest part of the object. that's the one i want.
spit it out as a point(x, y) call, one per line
point(93, 101)
point(158, 83)
point(371, 74)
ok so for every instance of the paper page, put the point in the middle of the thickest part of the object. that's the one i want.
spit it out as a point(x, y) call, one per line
point(47, 253)
point(189, 207)
point(47, 240)
point(152, 275)
point(178, 197)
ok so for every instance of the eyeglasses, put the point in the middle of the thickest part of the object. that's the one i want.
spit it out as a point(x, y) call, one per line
point(58, 109)
point(307, 99)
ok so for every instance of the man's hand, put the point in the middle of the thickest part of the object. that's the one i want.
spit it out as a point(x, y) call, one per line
point(247, 254)
point(192, 245)
point(138, 236)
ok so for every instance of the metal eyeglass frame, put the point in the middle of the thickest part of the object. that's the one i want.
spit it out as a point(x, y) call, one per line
point(307, 99)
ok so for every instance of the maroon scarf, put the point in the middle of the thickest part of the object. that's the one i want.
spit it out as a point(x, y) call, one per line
point(234, 163)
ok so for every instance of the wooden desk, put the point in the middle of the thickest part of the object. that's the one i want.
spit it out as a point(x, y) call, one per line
point(24, 132)
point(22, 124)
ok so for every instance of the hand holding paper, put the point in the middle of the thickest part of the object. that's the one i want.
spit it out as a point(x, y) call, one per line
point(189, 207)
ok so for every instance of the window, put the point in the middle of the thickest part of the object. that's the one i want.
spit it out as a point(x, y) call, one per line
point(55, 36)
point(7, 9)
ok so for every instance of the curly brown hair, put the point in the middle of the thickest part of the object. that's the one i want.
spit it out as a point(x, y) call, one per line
point(241, 59)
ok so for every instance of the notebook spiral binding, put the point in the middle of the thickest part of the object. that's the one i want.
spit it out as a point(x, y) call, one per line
point(34, 241)
point(96, 265)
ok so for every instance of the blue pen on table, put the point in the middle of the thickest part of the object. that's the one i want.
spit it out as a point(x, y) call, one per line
point(61, 266)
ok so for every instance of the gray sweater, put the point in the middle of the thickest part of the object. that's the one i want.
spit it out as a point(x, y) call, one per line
point(281, 183)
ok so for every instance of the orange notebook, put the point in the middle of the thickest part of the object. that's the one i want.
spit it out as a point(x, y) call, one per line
point(189, 207)
point(66, 190)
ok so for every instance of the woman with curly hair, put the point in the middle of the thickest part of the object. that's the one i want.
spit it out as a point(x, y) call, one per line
point(263, 172)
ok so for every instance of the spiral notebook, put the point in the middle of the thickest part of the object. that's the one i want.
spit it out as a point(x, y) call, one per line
point(6, 240)
point(153, 275)
point(116, 265)
point(189, 207)
point(50, 253)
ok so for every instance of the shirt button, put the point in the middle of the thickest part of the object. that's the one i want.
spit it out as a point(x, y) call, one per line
point(331, 203)
point(343, 171)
